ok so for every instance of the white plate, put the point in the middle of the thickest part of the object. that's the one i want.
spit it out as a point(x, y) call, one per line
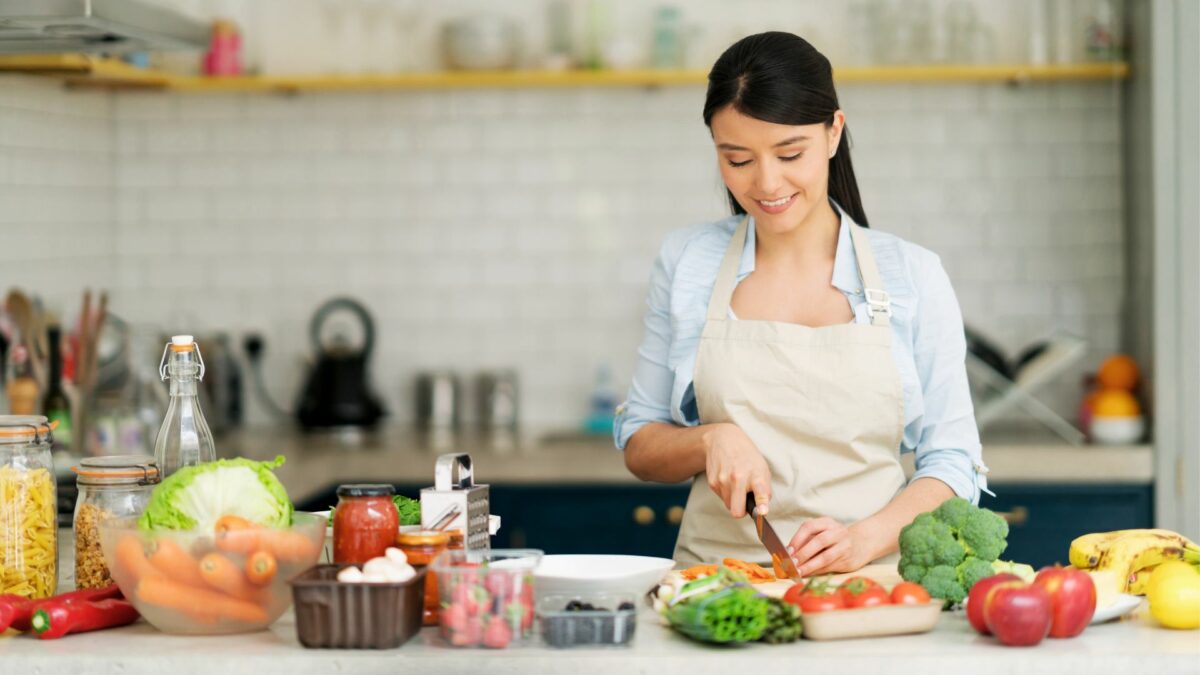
point(631, 574)
point(1124, 604)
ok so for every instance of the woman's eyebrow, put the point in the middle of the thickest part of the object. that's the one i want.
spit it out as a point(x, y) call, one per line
point(780, 144)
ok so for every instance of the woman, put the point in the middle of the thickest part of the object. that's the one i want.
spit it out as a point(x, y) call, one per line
point(789, 351)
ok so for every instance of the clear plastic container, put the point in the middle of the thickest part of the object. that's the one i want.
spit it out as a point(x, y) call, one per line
point(117, 486)
point(486, 596)
point(588, 619)
point(28, 508)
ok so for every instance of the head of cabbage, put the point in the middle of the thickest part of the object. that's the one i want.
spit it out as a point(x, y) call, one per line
point(196, 496)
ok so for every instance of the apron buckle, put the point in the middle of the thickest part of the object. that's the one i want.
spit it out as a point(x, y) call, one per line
point(878, 302)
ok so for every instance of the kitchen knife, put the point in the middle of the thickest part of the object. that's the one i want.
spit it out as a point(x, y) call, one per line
point(766, 534)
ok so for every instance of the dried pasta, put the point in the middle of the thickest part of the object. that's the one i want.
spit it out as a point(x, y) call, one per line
point(28, 532)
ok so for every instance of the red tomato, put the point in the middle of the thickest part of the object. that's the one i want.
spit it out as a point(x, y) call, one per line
point(855, 585)
point(793, 594)
point(872, 597)
point(909, 593)
point(813, 603)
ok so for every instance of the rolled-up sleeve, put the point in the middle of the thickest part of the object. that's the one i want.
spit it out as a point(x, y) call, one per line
point(649, 398)
point(948, 448)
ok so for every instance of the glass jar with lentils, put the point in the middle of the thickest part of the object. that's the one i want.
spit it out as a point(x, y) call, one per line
point(118, 486)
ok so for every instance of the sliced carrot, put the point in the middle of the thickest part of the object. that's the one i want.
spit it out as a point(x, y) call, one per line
point(754, 573)
point(132, 558)
point(198, 603)
point(261, 568)
point(697, 571)
point(223, 575)
point(176, 563)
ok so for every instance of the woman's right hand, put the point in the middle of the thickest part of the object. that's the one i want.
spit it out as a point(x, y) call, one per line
point(734, 466)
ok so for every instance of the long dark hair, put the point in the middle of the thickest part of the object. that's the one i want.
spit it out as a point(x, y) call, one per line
point(781, 78)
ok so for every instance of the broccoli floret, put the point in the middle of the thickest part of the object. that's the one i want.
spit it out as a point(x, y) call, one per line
point(972, 570)
point(950, 548)
point(911, 571)
point(928, 542)
point(942, 582)
point(984, 534)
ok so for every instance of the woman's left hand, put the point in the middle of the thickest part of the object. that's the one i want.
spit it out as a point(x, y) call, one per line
point(824, 546)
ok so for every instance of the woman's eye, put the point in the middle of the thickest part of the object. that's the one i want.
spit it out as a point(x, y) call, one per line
point(789, 158)
point(737, 164)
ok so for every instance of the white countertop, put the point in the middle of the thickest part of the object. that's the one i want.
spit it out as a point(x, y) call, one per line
point(1132, 645)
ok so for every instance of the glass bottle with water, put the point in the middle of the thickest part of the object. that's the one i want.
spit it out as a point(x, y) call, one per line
point(184, 437)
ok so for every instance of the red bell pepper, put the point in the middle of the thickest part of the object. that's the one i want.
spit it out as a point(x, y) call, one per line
point(56, 618)
point(17, 611)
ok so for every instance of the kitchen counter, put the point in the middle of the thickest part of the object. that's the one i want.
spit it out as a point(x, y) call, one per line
point(1132, 645)
point(396, 455)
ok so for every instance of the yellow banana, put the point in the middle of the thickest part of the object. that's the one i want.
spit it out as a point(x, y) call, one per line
point(1087, 551)
point(1129, 554)
point(1135, 584)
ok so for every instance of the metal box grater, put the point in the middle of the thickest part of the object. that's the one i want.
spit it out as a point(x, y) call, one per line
point(461, 496)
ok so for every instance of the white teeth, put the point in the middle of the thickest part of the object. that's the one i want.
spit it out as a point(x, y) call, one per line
point(777, 202)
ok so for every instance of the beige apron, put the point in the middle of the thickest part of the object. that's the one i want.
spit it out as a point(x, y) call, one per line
point(823, 405)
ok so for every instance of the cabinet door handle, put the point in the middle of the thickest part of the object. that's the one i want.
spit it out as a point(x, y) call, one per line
point(643, 515)
point(675, 515)
point(1018, 516)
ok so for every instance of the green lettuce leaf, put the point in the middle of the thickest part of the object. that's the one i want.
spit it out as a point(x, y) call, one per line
point(196, 496)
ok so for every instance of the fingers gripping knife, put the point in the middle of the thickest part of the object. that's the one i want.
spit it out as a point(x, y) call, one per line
point(461, 496)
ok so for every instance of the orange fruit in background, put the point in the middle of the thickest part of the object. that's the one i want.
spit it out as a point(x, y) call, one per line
point(1115, 403)
point(1118, 371)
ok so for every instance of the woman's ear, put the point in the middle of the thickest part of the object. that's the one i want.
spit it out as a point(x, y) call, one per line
point(834, 132)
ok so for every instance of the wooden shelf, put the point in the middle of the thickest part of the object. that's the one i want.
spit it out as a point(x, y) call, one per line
point(84, 71)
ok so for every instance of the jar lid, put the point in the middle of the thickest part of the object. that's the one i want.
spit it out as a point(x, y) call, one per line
point(366, 490)
point(119, 470)
point(423, 538)
point(25, 428)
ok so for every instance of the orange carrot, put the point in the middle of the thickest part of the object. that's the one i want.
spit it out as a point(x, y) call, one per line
point(198, 603)
point(244, 541)
point(132, 558)
point(223, 575)
point(755, 574)
point(261, 568)
point(288, 546)
point(176, 563)
point(697, 571)
point(231, 522)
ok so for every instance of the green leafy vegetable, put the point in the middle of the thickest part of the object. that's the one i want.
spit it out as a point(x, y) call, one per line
point(950, 548)
point(196, 496)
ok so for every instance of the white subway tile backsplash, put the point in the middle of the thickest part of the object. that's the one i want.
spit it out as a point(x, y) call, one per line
point(519, 227)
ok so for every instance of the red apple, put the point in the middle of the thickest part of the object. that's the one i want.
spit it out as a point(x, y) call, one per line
point(1018, 614)
point(977, 599)
point(1072, 599)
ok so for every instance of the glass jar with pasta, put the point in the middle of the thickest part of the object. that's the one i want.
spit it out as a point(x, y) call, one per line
point(28, 508)
point(116, 486)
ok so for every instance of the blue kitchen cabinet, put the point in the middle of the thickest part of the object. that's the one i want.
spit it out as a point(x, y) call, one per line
point(634, 519)
point(1044, 518)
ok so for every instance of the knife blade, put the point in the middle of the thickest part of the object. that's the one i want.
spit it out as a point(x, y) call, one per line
point(780, 559)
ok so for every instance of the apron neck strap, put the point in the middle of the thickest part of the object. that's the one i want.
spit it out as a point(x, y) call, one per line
point(879, 304)
point(722, 294)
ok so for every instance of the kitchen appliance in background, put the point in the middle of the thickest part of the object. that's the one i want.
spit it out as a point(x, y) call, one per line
point(439, 401)
point(455, 491)
point(496, 399)
point(337, 393)
point(222, 388)
point(110, 26)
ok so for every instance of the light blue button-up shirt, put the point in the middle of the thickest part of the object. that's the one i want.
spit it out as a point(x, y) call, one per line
point(928, 343)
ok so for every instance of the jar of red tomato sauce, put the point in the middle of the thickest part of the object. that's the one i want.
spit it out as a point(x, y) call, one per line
point(365, 523)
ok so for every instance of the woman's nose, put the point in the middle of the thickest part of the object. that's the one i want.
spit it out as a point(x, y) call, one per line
point(768, 179)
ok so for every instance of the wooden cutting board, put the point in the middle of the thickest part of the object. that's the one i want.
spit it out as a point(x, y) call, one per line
point(883, 573)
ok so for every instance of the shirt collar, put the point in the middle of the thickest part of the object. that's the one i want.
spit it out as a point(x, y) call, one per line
point(845, 263)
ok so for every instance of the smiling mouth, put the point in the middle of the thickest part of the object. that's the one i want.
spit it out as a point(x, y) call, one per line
point(776, 202)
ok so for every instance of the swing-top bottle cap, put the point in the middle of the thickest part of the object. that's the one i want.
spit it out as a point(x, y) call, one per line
point(182, 343)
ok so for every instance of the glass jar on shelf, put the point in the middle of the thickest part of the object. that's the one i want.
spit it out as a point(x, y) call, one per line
point(28, 508)
point(116, 486)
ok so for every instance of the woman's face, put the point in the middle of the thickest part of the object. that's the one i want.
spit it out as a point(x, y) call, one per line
point(777, 172)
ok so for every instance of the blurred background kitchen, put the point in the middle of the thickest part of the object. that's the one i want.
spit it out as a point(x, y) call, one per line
point(399, 228)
